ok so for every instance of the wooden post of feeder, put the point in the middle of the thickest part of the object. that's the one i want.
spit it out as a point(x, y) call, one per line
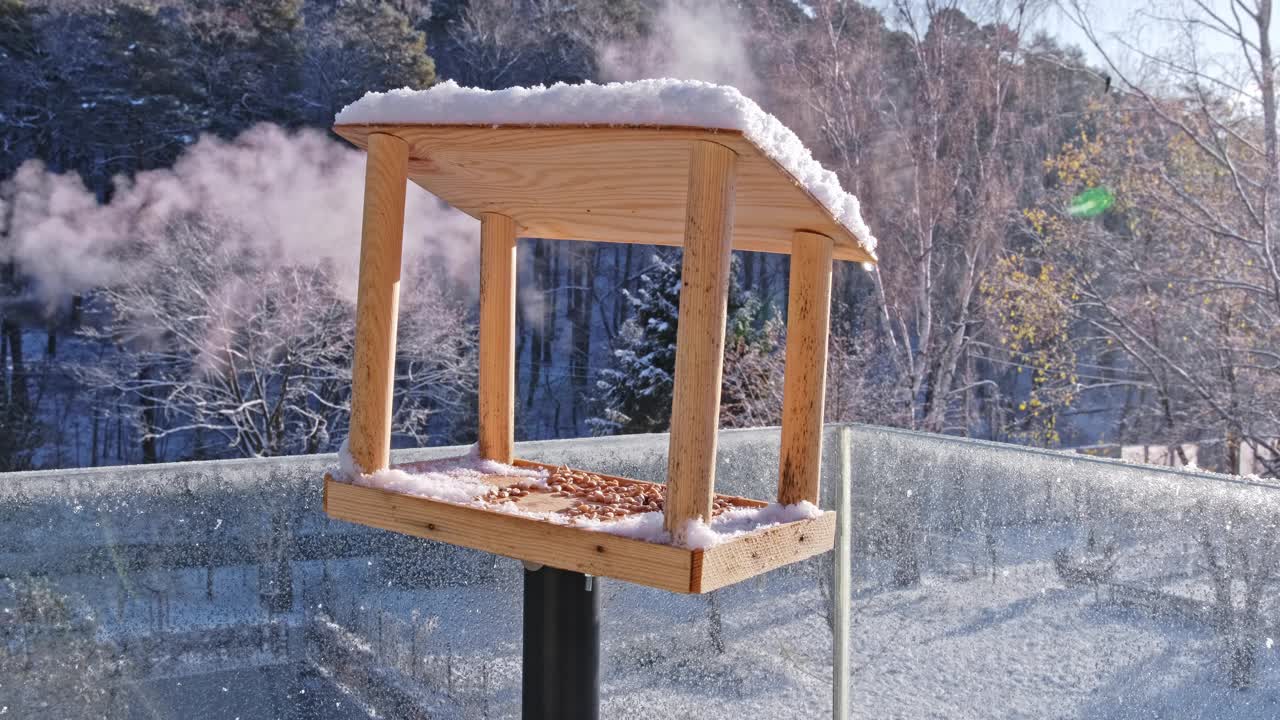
point(805, 379)
point(497, 336)
point(378, 302)
point(704, 295)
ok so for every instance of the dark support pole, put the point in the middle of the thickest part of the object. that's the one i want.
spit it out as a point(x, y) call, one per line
point(561, 646)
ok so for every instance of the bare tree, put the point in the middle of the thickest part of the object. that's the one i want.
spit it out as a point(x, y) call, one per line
point(55, 663)
point(923, 124)
point(222, 342)
point(1184, 282)
point(1242, 570)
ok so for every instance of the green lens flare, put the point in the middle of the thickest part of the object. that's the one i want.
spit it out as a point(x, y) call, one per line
point(1091, 203)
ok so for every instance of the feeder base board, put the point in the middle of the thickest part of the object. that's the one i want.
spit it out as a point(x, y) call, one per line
point(586, 551)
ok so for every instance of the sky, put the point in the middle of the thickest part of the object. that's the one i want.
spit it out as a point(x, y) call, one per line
point(1122, 25)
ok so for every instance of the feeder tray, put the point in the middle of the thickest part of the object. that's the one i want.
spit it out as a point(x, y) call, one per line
point(707, 190)
point(593, 552)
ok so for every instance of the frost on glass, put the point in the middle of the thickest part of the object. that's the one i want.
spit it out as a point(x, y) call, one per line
point(989, 582)
point(995, 581)
point(220, 590)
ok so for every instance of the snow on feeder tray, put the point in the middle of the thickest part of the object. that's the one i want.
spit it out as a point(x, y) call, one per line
point(658, 162)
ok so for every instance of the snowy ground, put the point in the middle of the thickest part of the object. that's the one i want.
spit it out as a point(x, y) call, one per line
point(262, 693)
point(958, 646)
point(1025, 647)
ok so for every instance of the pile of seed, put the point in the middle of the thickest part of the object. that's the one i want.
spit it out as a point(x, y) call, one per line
point(512, 493)
point(602, 498)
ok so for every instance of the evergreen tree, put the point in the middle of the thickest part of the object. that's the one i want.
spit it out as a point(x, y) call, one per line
point(754, 365)
point(17, 29)
point(247, 59)
point(634, 394)
point(395, 50)
point(361, 45)
point(19, 436)
point(19, 80)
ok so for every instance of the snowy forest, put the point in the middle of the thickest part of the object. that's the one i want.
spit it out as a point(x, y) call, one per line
point(1076, 242)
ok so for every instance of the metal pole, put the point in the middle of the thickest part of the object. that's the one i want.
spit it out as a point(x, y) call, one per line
point(561, 645)
point(843, 564)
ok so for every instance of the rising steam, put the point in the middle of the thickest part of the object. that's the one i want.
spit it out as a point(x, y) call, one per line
point(691, 40)
point(296, 196)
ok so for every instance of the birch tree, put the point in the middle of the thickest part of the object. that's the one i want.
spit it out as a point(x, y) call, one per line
point(1182, 278)
point(924, 115)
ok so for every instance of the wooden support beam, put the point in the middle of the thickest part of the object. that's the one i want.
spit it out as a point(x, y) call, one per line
point(378, 302)
point(805, 384)
point(704, 294)
point(497, 336)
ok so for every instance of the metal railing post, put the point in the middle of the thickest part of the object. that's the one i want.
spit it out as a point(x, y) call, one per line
point(842, 565)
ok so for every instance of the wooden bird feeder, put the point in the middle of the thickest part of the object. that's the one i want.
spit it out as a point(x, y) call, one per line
point(709, 191)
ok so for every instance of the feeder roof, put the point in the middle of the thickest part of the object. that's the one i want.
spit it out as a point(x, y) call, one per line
point(610, 162)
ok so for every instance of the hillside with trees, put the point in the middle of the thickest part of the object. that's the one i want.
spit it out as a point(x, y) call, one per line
point(1074, 249)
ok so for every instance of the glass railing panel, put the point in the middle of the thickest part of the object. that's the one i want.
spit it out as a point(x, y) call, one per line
point(990, 581)
point(998, 581)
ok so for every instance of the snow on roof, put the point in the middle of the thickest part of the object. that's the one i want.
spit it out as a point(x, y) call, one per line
point(667, 102)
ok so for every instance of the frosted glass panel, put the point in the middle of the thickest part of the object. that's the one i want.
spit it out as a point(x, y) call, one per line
point(995, 581)
point(990, 581)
